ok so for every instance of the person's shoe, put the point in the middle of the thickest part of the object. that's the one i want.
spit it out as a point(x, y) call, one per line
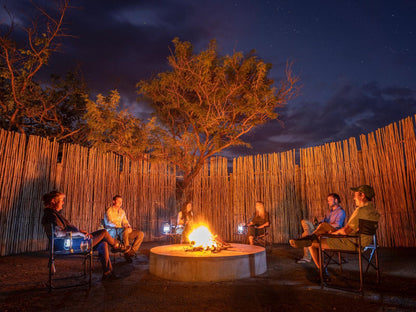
point(110, 277)
point(303, 260)
point(311, 237)
point(128, 255)
point(300, 243)
point(118, 247)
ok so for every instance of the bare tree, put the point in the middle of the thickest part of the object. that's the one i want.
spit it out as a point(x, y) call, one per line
point(49, 108)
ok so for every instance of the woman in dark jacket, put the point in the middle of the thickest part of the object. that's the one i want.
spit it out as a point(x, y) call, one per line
point(53, 204)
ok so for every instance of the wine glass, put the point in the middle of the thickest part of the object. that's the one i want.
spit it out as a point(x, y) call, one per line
point(84, 245)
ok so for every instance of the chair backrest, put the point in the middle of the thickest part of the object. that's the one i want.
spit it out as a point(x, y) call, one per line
point(367, 227)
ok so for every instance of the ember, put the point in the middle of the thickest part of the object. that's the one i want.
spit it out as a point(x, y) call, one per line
point(202, 240)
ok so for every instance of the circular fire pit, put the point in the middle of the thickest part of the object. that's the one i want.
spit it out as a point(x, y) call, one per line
point(238, 261)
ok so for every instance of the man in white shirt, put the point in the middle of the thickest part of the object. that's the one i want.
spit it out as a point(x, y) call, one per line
point(115, 217)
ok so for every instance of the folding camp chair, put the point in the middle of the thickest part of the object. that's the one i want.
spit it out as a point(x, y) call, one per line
point(367, 253)
point(69, 246)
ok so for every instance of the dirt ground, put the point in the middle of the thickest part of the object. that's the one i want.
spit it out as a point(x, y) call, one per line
point(286, 286)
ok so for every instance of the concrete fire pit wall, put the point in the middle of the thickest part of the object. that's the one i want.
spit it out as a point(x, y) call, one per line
point(173, 262)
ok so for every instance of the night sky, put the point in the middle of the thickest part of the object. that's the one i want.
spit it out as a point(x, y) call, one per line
point(356, 59)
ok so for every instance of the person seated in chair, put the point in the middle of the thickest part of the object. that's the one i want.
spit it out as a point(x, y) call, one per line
point(258, 222)
point(53, 205)
point(116, 217)
point(333, 220)
point(365, 209)
point(185, 222)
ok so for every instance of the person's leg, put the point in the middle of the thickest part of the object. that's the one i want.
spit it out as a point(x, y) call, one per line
point(323, 228)
point(314, 250)
point(126, 235)
point(104, 256)
point(103, 236)
point(308, 229)
point(251, 232)
point(186, 231)
point(136, 237)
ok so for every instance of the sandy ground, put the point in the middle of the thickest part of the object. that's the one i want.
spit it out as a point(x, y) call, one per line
point(286, 286)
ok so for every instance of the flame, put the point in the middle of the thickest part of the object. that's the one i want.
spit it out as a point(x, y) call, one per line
point(202, 238)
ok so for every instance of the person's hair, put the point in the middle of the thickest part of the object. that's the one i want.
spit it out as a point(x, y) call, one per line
point(49, 197)
point(368, 198)
point(117, 196)
point(335, 196)
point(262, 203)
point(185, 204)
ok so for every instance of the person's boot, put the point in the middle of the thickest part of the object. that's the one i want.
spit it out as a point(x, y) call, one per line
point(303, 242)
point(129, 255)
point(118, 247)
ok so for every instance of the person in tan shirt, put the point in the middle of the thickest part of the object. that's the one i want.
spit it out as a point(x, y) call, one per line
point(365, 209)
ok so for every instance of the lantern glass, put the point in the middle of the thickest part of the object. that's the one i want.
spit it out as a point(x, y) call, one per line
point(241, 227)
point(166, 228)
point(67, 243)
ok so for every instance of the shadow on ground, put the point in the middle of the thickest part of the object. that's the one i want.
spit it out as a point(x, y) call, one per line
point(286, 286)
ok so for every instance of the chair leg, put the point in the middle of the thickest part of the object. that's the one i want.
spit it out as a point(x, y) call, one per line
point(321, 275)
point(90, 269)
point(340, 261)
point(361, 270)
point(51, 268)
point(377, 267)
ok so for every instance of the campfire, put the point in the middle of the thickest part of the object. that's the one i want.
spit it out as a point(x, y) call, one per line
point(202, 240)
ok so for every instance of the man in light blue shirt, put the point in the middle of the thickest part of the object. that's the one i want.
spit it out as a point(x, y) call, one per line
point(334, 220)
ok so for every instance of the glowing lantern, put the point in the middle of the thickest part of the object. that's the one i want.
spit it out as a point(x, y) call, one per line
point(166, 228)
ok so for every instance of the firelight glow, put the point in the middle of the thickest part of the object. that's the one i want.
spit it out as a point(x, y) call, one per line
point(202, 237)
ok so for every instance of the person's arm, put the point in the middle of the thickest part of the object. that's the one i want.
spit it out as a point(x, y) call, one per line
point(343, 231)
point(264, 225)
point(47, 225)
point(250, 223)
point(124, 222)
point(338, 219)
point(180, 220)
point(87, 235)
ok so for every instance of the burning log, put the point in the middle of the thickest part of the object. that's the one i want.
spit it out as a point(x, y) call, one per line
point(202, 240)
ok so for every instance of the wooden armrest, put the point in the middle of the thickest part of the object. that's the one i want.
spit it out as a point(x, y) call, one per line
point(337, 236)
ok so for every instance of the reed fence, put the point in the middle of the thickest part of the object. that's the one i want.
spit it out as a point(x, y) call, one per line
point(224, 193)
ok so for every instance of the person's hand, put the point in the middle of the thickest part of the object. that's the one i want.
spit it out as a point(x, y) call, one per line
point(88, 235)
point(337, 232)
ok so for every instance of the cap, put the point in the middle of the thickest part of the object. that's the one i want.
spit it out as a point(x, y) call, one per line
point(367, 190)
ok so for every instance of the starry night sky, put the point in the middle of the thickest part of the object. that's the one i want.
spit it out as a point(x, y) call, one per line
point(356, 59)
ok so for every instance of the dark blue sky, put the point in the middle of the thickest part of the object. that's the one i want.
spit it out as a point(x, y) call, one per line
point(356, 59)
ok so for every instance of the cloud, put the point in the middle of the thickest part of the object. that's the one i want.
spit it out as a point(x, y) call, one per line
point(117, 44)
point(350, 111)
